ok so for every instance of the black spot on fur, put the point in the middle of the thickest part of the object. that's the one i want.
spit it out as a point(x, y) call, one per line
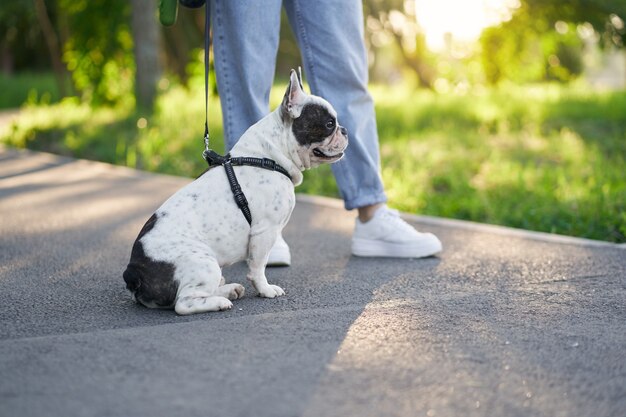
point(151, 281)
point(311, 126)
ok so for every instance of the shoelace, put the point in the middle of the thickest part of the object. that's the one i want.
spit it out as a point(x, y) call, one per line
point(394, 216)
point(390, 214)
point(390, 211)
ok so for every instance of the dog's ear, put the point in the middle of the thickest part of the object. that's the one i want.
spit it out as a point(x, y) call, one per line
point(300, 77)
point(294, 97)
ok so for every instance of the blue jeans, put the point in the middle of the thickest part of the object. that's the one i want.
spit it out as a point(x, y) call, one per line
point(330, 37)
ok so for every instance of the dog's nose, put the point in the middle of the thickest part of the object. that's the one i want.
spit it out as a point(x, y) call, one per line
point(344, 131)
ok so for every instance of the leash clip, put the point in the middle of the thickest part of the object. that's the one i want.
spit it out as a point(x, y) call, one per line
point(213, 158)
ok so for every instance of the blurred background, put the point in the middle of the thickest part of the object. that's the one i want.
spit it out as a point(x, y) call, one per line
point(509, 112)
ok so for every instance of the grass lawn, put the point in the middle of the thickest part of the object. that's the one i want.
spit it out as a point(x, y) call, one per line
point(23, 87)
point(548, 158)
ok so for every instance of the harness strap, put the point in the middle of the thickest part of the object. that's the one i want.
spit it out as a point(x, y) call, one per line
point(240, 198)
point(264, 163)
point(214, 159)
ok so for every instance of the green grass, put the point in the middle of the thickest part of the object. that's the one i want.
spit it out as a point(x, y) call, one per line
point(27, 87)
point(546, 158)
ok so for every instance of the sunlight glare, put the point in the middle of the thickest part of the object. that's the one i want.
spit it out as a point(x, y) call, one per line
point(463, 19)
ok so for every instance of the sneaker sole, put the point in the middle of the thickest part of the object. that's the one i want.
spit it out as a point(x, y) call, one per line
point(279, 258)
point(377, 248)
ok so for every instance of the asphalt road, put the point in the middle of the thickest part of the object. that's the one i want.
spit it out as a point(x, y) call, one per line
point(502, 323)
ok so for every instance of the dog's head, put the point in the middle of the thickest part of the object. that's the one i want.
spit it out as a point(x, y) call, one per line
point(313, 123)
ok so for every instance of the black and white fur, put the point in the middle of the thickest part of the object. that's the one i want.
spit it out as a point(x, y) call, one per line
point(177, 258)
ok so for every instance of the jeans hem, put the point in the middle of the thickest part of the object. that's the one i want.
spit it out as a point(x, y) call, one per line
point(365, 200)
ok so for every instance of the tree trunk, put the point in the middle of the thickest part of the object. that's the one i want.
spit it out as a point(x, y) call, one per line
point(415, 61)
point(6, 59)
point(424, 73)
point(52, 41)
point(177, 50)
point(147, 42)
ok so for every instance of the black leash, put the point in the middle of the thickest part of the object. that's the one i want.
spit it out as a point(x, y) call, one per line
point(207, 50)
point(213, 158)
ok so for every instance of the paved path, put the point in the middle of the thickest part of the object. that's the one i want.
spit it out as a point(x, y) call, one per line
point(501, 324)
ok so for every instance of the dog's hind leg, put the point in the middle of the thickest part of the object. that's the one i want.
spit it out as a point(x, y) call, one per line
point(199, 279)
point(230, 291)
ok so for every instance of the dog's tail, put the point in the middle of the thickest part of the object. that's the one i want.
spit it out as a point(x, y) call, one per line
point(133, 281)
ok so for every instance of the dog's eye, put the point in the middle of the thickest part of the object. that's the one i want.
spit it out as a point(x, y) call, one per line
point(330, 124)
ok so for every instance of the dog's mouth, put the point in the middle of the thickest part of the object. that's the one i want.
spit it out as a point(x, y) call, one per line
point(320, 154)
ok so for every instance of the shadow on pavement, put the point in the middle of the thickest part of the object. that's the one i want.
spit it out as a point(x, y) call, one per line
point(497, 325)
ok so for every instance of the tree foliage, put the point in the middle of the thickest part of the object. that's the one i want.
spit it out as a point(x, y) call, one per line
point(542, 40)
point(599, 13)
point(98, 51)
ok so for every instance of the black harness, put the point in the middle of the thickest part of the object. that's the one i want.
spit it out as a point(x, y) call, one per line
point(214, 159)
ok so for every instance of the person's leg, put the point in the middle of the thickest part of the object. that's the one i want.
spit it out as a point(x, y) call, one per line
point(330, 36)
point(245, 39)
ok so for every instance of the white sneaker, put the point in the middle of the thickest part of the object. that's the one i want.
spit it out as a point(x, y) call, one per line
point(280, 254)
point(386, 234)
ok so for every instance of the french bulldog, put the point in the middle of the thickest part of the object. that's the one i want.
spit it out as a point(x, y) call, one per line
point(177, 259)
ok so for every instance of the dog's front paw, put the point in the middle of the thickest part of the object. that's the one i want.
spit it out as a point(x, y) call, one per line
point(270, 291)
